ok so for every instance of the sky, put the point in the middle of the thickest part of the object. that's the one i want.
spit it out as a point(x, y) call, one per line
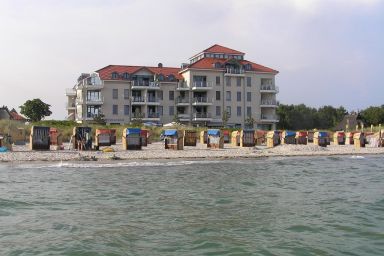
point(327, 52)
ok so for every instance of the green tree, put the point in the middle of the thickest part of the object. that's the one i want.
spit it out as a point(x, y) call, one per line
point(99, 119)
point(373, 115)
point(249, 122)
point(35, 109)
point(225, 118)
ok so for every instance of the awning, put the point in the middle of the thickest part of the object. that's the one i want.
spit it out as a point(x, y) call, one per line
point(170, 133)
point(323, 134)
point(290, 134)
point(213, 132)
point(133, 131)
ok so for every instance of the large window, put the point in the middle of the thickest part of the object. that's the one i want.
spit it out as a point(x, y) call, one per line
point(93, 111)
point(217, 95)
point(93, 95)
point(228, 95)
point(249, 81)
point(218, 111)
point(126, 94)
point(238, 96)
point(238, 81)
point(228, 81)
point(171, 95)
point(115, 110)
point(171, 110)
point(229, 111)
point(126, 110)
point(217, 80)
point(238, 111)
point(249, 111)
point(115, 94)
point(249, 96)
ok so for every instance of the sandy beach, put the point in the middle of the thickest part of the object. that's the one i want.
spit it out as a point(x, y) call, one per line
point(156, 151)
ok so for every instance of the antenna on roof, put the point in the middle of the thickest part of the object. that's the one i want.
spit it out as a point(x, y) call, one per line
point(160, 65)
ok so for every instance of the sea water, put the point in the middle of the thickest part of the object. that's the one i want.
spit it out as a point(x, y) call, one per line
point(269, 206)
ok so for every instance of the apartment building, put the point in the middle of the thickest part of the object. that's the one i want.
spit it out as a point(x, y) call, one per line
point(218, 86)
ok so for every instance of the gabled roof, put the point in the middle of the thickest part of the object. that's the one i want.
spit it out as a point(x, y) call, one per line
point(221, 49)
point(106, 72)
point(16, 116)
point(208, 63)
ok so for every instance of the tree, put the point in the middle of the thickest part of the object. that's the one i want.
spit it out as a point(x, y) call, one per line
point(249, 122)
point(99, 119)
point(373, 115)
point(225, 118)
point(35, 110)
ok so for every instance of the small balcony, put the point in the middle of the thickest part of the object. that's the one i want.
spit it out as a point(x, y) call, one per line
point(269, 89)
point(202, 86)
point(152, 117)
point(93, 86)
point(269, 118)
point(138, 100)
point(70, 92)
point(153, 101)
point(183, 116)
point(182, 86)
point(94, 101)
point(182, 101)
point(201, 101)
point(234, 72)
point(70, 106)
point(269, 104)
point(203, 116)
point(145, 85)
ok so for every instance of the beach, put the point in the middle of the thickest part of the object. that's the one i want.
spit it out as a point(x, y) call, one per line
point(156, 151)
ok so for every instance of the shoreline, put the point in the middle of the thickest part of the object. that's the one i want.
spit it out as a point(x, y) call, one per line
point(156, 151)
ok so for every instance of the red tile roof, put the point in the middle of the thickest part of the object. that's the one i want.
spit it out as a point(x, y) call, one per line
point(208, 63)
point(106, 72)
point(221, 49)
point(16, 116)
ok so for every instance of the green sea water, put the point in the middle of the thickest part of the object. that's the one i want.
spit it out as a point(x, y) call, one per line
point(271, 206)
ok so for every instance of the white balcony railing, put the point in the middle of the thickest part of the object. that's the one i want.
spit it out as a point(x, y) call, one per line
point(202, 100)
point(182, 86)
point(269, 103)
point(202, 85)
point(182, 100)
point(70, 92)
point(269, 88)
point(94, 100)
point(234, 71)
point(203, 115)
point(269, 118)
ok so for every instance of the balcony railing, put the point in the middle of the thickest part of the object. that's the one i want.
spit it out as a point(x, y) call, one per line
point(153, 115)
point(149, 84)
point(93, 100)
point(138, 99)
point(269, 118)
point(70, 105)
point(269, 88)
point(269, 103)
point(201, 115)
point(182, 100)
point(202, 85)
point(70, 92)
point(182, 86)
point(183, 116)
point(198, 100)
point(153, 99)
point(234, 71)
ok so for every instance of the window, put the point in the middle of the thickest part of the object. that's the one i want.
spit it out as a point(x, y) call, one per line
point(217, 95)
point(218, 111)
point(238, 96)
point(126, 94)
point(93, 96)
point(238, 111)
point(115, 75)
point(171, 110)
point(93, 111)
point(217, 65)
point(249, 96)
point(160, 108)
point(217, 80)
point(228, 95)
point(126, 76)
point(249, 81)
point(228, 81)
point(161, 77)
point(238, 81)
point(171, 77)
point(115, 109)
point(247, 66)
point(115, 93)
point(249, 111)
point(160, 95)
point(171, 95)
point(229, 111)
point(126, 110)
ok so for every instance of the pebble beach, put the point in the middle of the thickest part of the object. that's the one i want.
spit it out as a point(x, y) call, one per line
point(156, 151)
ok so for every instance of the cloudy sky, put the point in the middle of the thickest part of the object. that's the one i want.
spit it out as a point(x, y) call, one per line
point(328, 52)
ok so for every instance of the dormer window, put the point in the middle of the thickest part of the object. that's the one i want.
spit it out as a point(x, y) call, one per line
point(217, 65)
point(161, 77)
point(247, 66)
point(115, 75)
point(125, 76)
point(171, 77)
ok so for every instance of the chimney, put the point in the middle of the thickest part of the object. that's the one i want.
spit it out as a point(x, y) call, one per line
point(160, 65)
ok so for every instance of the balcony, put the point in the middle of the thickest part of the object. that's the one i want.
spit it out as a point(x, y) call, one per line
point(93, 86)
point(152, 117)
point(70, 106)
point(201, 101)
point(182, 101)
point(269, 89)
point(269, 104)
point(202, 86)
point(153, 101)
point(182, 86)
point(94, 101)
point(138, 100)
point(202, 116)
point(269, 119)
point(234, 72)
point(70, 92)
point(183, 116)
point(145, 85)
